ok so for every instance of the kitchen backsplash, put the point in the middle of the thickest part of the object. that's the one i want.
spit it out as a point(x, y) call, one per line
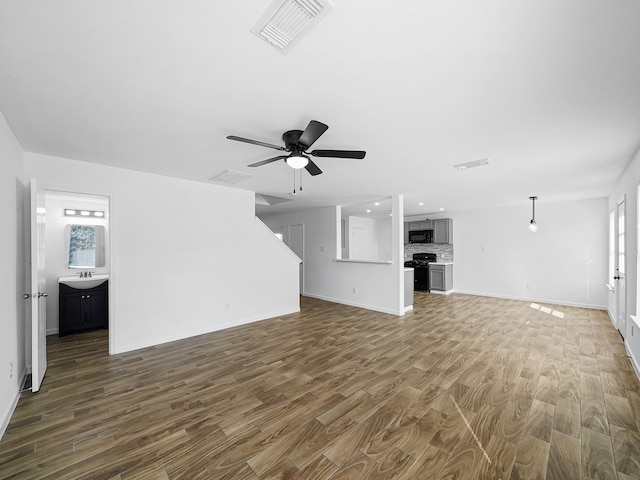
point(444, 251)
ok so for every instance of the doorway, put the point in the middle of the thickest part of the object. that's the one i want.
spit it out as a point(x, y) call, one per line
point(54, 210)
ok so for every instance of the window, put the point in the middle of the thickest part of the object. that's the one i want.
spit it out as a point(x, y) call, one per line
point(85, 246)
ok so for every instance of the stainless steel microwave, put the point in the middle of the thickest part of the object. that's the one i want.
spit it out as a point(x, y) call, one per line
point(421, 236)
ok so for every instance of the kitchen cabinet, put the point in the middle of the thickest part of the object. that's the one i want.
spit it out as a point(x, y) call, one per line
point(424, 225)
point(408, 287)
point(441, 277)
point(443, 230)
point(82, 309)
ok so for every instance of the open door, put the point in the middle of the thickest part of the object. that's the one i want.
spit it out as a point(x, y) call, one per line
point(619, 277)
point(37, 296)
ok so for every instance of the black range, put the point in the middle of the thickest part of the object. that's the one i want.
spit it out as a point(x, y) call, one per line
point(420, 265)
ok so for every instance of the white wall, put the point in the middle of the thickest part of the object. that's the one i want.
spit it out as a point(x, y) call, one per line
point(55, 243)
point(627, 185)
point(187, 257)
point(12, 266)
point(377, 285)
point(565, 262)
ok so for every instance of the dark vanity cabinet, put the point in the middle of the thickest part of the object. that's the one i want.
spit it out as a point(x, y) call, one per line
point(83, 309)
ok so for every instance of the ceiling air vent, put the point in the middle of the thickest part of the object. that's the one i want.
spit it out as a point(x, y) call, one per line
point(475, 163)
point(283, 24)
point(230, 177)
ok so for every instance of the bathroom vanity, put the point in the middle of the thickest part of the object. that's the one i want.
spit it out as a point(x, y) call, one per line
point(83, 304)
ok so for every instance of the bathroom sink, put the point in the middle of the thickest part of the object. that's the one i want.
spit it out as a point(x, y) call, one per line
point(75, 281)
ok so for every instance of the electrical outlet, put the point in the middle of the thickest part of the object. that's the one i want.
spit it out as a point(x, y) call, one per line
point(354, 289)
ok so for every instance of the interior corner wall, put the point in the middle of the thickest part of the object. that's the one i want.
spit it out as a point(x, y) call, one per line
point(180, 253)
point(564, 263)
point(12, 277)
point(376, 285)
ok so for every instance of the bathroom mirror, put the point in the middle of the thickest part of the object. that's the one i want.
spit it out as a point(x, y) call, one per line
point(85, 246)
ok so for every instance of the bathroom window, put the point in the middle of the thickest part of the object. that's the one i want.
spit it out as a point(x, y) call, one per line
point(85, 246)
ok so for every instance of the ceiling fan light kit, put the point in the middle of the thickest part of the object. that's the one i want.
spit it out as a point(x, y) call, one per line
point(297, 161)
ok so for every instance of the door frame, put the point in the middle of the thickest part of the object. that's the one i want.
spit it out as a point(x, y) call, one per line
point(611, 283)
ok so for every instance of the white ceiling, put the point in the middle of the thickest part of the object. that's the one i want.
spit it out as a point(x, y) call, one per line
point(549, 90)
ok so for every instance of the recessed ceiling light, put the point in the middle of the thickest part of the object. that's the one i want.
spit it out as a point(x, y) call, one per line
point(421, 204)
point(475, 163)
point(442, 209)
point(377, 203)
point(368, 210)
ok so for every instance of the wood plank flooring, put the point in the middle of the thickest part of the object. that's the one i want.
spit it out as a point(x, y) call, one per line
point(463, 387)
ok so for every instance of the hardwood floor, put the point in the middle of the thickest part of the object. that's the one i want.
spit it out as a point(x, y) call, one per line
point(463, 387)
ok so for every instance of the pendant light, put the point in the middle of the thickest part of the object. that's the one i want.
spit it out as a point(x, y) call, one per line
point(533, 226)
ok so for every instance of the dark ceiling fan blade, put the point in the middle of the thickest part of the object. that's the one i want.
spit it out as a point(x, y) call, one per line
point(268, 160)
point(312, 133)
point(255, 142)
point(312, 168)
point(357, 154)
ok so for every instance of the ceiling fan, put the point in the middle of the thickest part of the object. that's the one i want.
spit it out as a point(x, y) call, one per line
point(297, 142)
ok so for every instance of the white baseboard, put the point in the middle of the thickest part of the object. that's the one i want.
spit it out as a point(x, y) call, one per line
point(634, 361)
point(532, 299)
point(8, 413)
point(195, 333)
point(375, 308)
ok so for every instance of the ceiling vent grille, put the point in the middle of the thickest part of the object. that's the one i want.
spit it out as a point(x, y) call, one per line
point(283, 24)
point(475, 163)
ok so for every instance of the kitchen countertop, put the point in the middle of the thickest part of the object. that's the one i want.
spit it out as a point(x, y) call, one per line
point(442, 263)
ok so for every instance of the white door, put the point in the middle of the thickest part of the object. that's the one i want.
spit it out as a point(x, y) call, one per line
point(296, 243)
point(38, 295)
point(620, 285)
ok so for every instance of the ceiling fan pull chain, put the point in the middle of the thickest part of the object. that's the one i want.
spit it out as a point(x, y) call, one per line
point(300, 180)
point(294, 182)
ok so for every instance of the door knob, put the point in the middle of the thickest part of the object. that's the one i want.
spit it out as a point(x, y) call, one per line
point(617, 277)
